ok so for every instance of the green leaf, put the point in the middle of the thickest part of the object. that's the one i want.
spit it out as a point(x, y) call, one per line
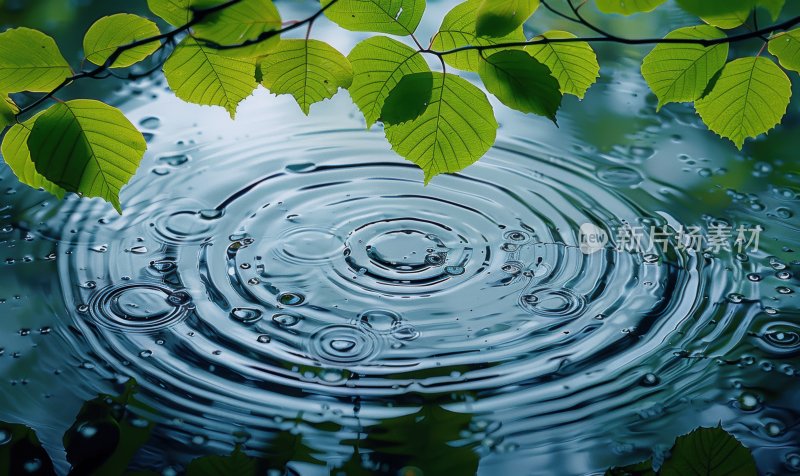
point(645, 468)
point(202, 75)
point(241, 22)
point(728, 21)
point(681, 72)
point(109, 33)
point(573, 64)
point(628, 7)
point(395, 17)
point(237, 463)
point(709, 451)
point(8, 112)
point(774, 7)
point(378, 64)
point(409, 99)
point(309, 70)
point(30, 61)
point(749, 98)
point(501, 17)
point(178, 12)
point(713, 8)
point(19, 448)
point(521, 82)
point(87, 147)
point(456, 129)
point(459, 29)
point(107, 433)
point(786, 47)
point(18, 157)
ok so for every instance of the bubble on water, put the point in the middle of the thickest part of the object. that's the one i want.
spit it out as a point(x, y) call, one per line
point(748, 402)
point(454, 270)
point(150, 122)
point(549, 302)
point(138, 250)
point(343, 345)
point(286, 320)
point(211, 214)
point(174, 160)
point(784, 290)
point(264, 339)
point(163, 266)
point(755, 277)
point(380, 320)
point(784, 275)
point(246, 315)
point(138, 306)
point(619, 175)
point(291, 299)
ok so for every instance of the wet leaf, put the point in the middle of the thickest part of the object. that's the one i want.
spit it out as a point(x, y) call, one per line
point(378, 64)
point(709, 451)
point(30, 61)
point(109, 33)
point(203, 75)
point(574, 65)
point(681, 72)
point(713, 8)
point(87, 147)
point(18, 157)
point(409, 99)
point(8, 112)
point(786, 47)
point(21, 452)
point(241, 22)
point(749, 98)
point(107, 434)
point(457, 128)
point(521, 82)
point(628, 7)
point(459, 29)
point(309, 70)
point(237, 463)
point(501, 17)
point(395, 17)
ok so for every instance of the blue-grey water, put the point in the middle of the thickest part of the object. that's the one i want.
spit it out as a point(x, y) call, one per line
point(282, 275)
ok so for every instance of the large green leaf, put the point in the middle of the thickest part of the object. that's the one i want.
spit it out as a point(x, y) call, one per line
point(309, 70)
point(786, 46)
point(237, 463)
point(711, 452)
point(628, 7)
point(459, 29)
point(109, 33)
point(18, 157)
point(378, 64)
point(501, 17)
point(30, 61)
point(573, 64)
point(87, 147)
point(713, 8)
point(457, 128)
point(395, 17)
point(241, 22)
point(681, 72)
point(521, 82)
point(749, 98)
point(8, 112)
point(203, 75)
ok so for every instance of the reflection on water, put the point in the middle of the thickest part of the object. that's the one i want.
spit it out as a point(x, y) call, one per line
point(289, 284)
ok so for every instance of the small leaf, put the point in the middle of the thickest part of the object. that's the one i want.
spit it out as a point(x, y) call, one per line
point(713, 8)
point(201, 75)
point(309, 70)
point(501, 17)
point(628, 7)
point(459, 29)
point(521, 82)
point(786, 47)
point(728, 21)
point(30, 61)
point(709, 451)
point(681, 72)
point(237, 463)
point(573, 64)
point(18, 157)
point(457, 128)
point(409, 99)
point(749, 98)
point(395, 17)
point(378, 64)
point(19, 448)
point(87, 147)
point(8, 112)
point(774, 7)
point(109, 33)
point(241, 22)
point(178, 12)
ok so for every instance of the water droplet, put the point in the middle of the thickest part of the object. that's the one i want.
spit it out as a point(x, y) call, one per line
point(291, 299)
point(380, 320)
point(138, 250)
point(264, 339)
point(286, 320)
point(784, 290)
point(755, 277)
point(175, 160)
point(650, 380)
point(145, 354)
point(454, 270)
point(150, 122)
point(246, 315)
point(735, 298)
point(211, 214)
point(748, 401)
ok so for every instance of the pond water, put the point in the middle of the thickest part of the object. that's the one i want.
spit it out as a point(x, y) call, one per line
point(289, 276)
